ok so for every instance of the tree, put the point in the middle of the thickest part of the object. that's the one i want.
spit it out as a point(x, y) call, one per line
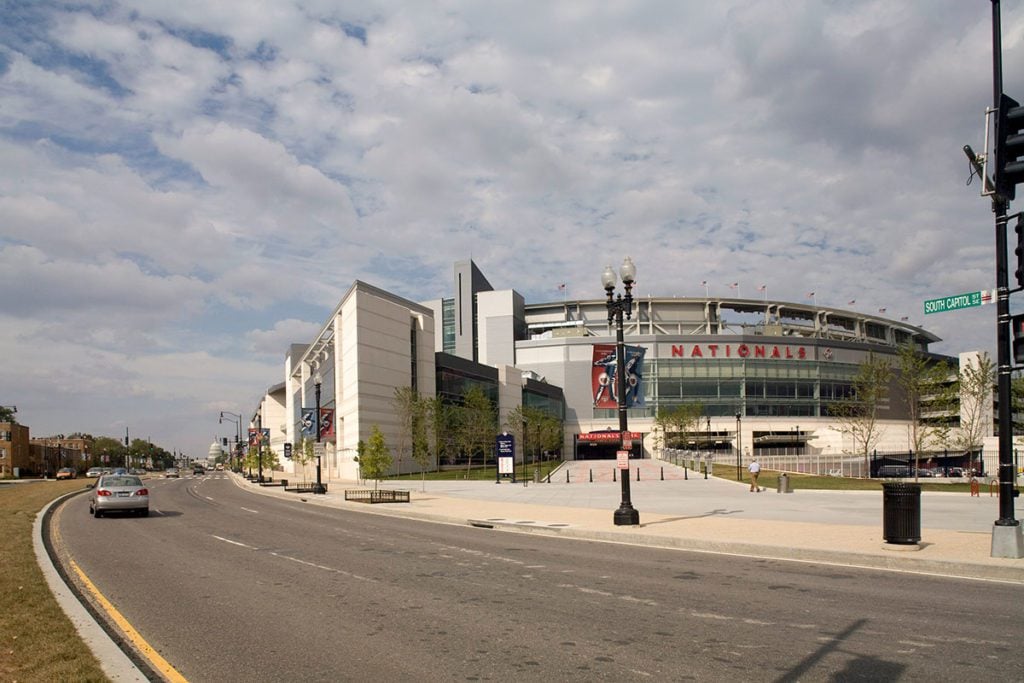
point(674, 424)
point(543, 431)
point(421, 437)
point(107, 446)
point(858, 415)
point(375, 459)
point(925, 390)
point(406, 404)
point(7, 415)
point(976, 382)
point(303, 455)
point(477, 424)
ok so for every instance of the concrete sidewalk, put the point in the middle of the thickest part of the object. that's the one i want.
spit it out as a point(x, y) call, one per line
point(711, 515)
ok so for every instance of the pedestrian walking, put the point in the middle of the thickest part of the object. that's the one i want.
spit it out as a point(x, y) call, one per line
point(755, 469)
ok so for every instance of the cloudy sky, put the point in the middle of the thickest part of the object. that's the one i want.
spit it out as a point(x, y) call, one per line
point(189, 186)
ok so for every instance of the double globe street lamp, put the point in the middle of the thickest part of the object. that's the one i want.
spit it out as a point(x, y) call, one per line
point(618, 306)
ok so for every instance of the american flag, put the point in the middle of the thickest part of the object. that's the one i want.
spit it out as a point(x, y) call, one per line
point(762, 288)
point(881, 310)
point(703, 283)
point(904, 319)
point(851, 302)
point(734, 285)
point(561, 287)
point(810, 295)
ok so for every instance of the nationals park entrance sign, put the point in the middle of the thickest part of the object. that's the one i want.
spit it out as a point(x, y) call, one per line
point(956, 302)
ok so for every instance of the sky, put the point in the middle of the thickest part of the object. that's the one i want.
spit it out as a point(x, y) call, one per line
point(187, 187)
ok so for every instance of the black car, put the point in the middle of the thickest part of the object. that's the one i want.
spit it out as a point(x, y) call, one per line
point(198, 469)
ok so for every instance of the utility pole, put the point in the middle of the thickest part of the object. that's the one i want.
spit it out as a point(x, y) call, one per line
point(1007, 540)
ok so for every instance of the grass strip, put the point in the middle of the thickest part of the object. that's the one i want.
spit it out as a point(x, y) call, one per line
point(39, 642)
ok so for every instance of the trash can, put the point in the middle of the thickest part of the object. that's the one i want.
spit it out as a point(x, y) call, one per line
point(901, 513)
point(784, 486)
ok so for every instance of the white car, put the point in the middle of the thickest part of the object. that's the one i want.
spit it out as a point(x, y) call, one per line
point(119, 493)
point(94, 472)
point(172, 472)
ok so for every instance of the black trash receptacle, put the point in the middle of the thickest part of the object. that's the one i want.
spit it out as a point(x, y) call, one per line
point(901, 513)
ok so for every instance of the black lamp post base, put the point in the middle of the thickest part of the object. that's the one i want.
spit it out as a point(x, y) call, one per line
point(627, 516)
point(319, 488)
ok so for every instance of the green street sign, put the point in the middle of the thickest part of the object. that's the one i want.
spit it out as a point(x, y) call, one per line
point(952, 303)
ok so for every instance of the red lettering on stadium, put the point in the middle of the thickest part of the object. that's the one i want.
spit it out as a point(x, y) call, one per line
point(767, 351)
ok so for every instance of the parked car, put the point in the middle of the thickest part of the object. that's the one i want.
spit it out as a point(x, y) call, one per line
point(94, 472)
point(66, 473)
point(119, 492)
point(886, 471)
point(172, 472)
point(955, 472)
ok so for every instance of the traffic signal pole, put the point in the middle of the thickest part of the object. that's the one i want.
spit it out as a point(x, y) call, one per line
point(1007, 540)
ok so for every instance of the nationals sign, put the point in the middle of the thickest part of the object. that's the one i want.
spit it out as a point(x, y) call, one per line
point(604, 385)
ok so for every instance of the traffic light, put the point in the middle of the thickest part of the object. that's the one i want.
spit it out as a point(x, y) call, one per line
point(1019, 229)
point(1009, 147)
point(1017, 326)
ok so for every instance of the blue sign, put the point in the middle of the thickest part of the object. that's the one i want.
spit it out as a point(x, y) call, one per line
point(505, 445)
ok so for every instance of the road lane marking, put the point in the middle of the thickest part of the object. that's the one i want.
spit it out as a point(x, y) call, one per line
point(326, 569)
point(208, 498)
point(255, 512)
point(228, 540)
point(158, 662)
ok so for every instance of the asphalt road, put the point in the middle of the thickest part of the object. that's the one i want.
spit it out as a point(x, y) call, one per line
point(232, 586)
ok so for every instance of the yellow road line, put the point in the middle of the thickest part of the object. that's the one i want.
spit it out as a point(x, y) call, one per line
point(158, 662)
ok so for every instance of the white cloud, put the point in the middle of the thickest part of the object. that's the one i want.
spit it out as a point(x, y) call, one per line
point(186, 186)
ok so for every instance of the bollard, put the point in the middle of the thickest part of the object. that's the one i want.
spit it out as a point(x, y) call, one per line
point(686, 474)
point(705, 470)
point(614, 474)
point(567, 476)
point(549, 477)
point(663, 474)
point(591, 476)
point(638, 474)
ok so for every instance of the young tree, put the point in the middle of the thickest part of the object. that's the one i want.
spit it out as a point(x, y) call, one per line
point(858, 416)
point(976, 382)
point(477, 424)
point(676, 423)
point(405, 403)
point(421, 437)
point(925, 394)
point(375, 459)
point(543, 432)
point(8, 415)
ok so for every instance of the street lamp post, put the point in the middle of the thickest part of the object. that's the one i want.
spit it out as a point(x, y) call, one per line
point(739, 465)
point(237, 419)
point(317, 381)
point(259, 447)
point(799, 445)
point(617, 307)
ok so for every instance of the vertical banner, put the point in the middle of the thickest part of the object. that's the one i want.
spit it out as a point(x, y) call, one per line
point(604, 382)
point(254, 439)
point(326, 422)
point(307, 419)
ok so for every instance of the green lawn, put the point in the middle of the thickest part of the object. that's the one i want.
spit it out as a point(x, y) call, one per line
point(39, 641)
point(769, 479)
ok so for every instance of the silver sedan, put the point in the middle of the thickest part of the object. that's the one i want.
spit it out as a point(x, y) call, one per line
point(117, 492)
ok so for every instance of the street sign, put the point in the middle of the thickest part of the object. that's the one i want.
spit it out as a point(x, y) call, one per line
point(288, 450)
point(320, 449)
point(623, 458)
point(952, 303)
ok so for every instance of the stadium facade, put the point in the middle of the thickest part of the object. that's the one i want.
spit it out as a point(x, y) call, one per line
point(764, 372)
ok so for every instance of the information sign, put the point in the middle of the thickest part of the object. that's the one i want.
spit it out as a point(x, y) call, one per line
point(623, 460)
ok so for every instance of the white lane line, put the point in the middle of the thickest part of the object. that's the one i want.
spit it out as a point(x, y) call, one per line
point(208, 498)
point(327, 569)
point(228, 540)
point(255, 512)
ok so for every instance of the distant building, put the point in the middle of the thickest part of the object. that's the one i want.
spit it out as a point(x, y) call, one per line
point(765, 373)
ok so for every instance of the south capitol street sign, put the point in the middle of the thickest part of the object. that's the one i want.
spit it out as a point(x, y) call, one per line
point(952, 303)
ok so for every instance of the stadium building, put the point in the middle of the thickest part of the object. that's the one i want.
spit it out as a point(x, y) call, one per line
point(764, 372)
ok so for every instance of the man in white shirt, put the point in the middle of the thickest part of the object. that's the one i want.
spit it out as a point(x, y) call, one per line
point(755, 469)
